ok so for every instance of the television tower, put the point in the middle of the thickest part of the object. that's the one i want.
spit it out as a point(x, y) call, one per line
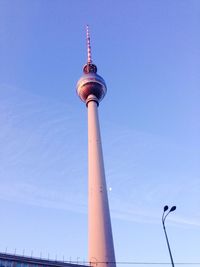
point(91, 89)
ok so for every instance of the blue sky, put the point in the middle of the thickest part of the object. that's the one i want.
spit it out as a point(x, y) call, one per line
point(148, 53)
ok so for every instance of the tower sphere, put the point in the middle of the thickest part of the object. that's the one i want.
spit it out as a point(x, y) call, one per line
point(91, 84)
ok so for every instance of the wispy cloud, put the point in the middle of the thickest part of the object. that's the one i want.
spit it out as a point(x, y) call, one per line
point(30, 194)
point(44, 162)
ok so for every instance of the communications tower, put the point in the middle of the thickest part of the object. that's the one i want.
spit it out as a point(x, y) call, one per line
point(91, 89)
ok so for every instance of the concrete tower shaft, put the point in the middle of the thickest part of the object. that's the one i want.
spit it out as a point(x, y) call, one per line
point(101, 248)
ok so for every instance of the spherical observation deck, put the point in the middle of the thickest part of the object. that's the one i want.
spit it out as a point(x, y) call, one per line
point(91, 83)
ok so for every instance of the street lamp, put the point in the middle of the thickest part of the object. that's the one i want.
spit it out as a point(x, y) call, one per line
point(163, 222)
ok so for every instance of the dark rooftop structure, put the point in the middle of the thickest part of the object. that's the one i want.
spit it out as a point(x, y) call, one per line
point(10, 260)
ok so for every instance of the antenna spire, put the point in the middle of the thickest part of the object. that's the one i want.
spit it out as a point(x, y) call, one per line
point(89, 56)
point(89, 67)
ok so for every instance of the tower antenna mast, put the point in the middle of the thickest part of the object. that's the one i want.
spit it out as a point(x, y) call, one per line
point(89, 67)
point(89, 55)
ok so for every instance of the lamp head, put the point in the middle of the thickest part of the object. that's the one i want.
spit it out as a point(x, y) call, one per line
point(165, 208)
point(172, 209)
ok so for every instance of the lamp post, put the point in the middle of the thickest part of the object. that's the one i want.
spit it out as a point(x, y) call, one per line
point(173, 208)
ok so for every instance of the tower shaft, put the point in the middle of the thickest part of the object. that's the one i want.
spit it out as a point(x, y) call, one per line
point(101, 248)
